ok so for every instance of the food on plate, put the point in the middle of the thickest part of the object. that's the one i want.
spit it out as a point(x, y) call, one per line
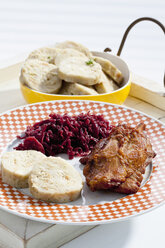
point(115, 157)
point(75, 70)
point(46, 67)
point(76, 46)
point(41, 76)
point(106, 85)
point(55, 180)
point(46, 54)
point(110, 69)
point(74, 135)
point(76, 89)
point(118, 162)
point(17, 166)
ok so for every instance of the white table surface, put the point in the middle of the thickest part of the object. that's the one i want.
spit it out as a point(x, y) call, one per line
point(25, 25)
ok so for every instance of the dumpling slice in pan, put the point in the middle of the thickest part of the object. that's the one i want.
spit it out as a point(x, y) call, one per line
point(106, 85)
point(76, 46)
point(110, 69)
point(76, 89)
point(75, 67)
point(40, 76)
point(46, 54)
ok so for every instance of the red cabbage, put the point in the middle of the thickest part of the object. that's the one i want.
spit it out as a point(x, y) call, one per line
point(74, 135)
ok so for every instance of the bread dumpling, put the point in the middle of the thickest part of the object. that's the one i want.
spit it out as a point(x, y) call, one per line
point(76, 89)
point(76, 46)
point(81, 70)
point(106, 85)
point(55, 180)
point(63, 54)
point(46, 54)
point(17, 166)
point(110, 69)
point(40, 76)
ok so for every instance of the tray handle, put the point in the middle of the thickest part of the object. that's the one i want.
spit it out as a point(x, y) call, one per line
point(130, 27)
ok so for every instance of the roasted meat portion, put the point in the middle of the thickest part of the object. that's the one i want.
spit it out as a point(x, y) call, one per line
point(119, 161)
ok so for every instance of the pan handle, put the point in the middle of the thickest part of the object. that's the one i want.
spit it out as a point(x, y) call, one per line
point(129, 28)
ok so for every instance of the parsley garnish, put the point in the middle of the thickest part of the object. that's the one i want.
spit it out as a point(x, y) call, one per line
point(48, 57)
point(89, 62)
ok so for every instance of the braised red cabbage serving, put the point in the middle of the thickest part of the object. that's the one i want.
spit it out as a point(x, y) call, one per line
point(74, 135)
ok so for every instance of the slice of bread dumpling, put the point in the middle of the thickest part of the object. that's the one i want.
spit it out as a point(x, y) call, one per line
point(76, 46)
point(106, 85)
point(76, 89)
point(46, 54)
point(16, 167)
point(40, 76)
point(55, 180)
point(110, 69)
point(78, 70)
point(65, 53)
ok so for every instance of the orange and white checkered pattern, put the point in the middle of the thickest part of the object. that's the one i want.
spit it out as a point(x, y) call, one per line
point(149, 196)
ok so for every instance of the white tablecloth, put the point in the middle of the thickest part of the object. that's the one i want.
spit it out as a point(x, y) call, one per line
point(25, 25)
